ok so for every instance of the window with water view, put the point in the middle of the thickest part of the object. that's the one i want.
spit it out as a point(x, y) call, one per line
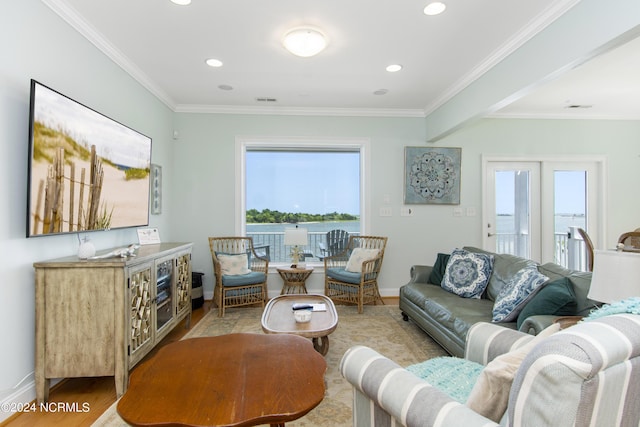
point(318, 190)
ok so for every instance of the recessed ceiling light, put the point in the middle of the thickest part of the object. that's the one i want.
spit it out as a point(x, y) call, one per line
point(304, 41)
point(435, 8)
point(181, 2)
point(394, 67)
point(212, 62)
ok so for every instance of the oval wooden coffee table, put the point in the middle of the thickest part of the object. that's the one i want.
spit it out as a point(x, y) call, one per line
point(278, 319)
point(229, 380)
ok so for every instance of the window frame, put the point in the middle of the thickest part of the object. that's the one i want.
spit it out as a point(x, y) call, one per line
point(245, 143)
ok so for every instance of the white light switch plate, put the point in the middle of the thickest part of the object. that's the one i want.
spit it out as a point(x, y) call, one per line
point(386, 211)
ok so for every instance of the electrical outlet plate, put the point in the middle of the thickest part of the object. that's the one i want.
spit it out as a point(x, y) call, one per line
point(406, 211)
point(386, 211)
point(457, 211)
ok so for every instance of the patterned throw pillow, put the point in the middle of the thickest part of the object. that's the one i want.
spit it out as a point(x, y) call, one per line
point(233, 265)
point(467, 273)
point(514, 295)
point(358, 256)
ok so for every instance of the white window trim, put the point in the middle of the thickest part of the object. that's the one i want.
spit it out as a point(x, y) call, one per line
point(243, 143)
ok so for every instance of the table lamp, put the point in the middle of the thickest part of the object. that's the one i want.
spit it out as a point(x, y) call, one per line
point(616, 276)
point(295, 237)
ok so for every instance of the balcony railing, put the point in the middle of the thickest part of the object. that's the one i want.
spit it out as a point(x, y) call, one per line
point(272, 244)
point(570, 251)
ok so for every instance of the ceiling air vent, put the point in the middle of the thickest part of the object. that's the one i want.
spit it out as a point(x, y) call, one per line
point(266, 99)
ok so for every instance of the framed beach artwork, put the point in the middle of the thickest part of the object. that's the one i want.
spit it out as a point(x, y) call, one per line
point(432, 175)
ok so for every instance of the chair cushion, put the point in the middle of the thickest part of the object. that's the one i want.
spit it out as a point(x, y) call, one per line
point(251, 278)
point(344, 276)
point(467, 274)
point(490, 394)
point(555, 298)
point(439, 268)
point(233, 264)
point(358, 256)
point(513, 297)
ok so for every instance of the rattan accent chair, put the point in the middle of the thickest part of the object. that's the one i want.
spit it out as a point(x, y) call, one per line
point(588, 246)
point(630, 240)
point(344, 283)
point(245, 286)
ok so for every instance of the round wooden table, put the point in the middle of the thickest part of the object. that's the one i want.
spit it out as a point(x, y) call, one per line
point(229, 380)
point(294, 280)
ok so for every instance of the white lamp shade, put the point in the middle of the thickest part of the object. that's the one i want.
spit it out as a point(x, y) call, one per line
point(295, 236)
point(616, 276)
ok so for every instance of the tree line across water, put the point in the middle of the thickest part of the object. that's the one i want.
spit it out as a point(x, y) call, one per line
point(267, 216)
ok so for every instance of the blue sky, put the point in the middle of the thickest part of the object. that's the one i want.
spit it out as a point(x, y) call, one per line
point(305, 182)
point(569, 192)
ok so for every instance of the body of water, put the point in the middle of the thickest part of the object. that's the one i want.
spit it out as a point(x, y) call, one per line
point(312, 227)
point(505, 223)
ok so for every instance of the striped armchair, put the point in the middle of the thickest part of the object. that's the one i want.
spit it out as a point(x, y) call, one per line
point(585, 375)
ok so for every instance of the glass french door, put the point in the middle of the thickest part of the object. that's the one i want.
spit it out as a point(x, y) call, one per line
point(512, 219)
point(532, 208)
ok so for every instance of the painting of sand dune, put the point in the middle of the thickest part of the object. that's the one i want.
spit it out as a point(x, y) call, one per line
point(63, 187)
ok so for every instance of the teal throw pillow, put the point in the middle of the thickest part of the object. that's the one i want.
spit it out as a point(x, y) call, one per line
point(513, 296)
point(437, 273)
point(555, 298)
point(467, 274)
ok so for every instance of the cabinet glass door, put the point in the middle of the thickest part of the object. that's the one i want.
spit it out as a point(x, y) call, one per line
point(164, 274)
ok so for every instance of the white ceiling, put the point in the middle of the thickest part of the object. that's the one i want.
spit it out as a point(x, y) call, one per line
point(164, 46)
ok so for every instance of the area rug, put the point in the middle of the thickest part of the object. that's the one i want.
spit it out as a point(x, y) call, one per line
point(379, 327)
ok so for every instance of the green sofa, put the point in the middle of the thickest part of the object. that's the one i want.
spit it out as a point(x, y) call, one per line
point(446, 317)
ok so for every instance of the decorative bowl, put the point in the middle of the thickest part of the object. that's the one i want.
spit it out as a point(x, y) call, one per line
point(302, 316)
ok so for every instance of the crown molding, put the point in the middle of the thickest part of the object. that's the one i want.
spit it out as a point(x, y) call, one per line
point(536, 25)
point(70, 15)
point(562, 116)
point(298, 111)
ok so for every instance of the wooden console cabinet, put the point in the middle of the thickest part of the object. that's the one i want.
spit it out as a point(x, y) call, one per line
point(100, 317)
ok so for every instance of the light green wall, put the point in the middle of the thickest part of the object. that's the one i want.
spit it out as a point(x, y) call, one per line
point(205, 188)
point(36, 43)
point(198, 169)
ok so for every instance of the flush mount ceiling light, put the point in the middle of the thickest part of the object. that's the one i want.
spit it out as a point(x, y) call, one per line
point(212, 62)
point(304, 41)
point(181, 2)
point(435, 8)
point(394, 68)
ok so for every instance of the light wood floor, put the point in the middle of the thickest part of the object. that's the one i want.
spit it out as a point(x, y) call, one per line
point(98, 393)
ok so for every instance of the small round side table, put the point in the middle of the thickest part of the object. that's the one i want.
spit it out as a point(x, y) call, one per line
point(294, 280)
